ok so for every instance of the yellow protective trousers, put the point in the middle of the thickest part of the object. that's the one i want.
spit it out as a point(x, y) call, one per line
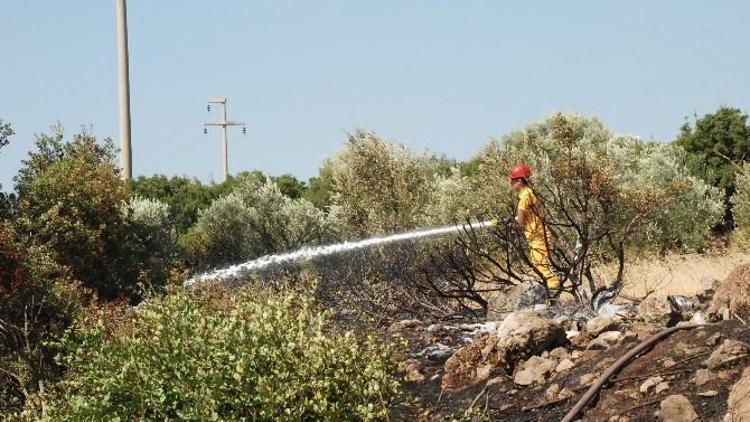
point(539, 256)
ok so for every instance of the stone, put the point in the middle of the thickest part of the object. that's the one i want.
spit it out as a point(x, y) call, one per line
point(731, 295)
point(413, 371)
point(552, 391)
point(677, 408)
point(520, 335)
point(668, 362)
point(650, 384)
point(472, 363)
point(729, 351)
point(703, 376)
point(714, 339)
point(662, 387)
point(565, 393)
point(602, 323)
point(564, 365)
point(559, 353)
point(658, 311)
point(526, 333)
point(525, 377)
point(576, 354)
point(605, 340)
point(738, 405)
point(586, 379)
point(534, 371)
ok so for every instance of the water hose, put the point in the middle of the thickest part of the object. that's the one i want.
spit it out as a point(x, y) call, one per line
point(594, 389)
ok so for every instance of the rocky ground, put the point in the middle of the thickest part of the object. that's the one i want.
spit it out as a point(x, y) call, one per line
point(534, 364)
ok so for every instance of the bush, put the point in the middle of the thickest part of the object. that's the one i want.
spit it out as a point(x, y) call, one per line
point(38, 301)
point(69, 201)
point(713, 144)
point(207, 355)
point(380, 187)
point(741, 208)
point(185, 197)
point(254, 220)
point(152, 242)
point(452, 200)
point(320, 187)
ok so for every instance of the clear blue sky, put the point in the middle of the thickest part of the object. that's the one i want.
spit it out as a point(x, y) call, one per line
point(439, 75)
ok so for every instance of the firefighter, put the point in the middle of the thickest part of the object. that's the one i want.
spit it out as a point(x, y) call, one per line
point(530, 218)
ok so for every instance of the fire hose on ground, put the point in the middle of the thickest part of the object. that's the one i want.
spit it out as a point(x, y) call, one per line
point(594, 389)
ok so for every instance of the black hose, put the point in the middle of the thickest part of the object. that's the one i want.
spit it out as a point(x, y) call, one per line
point(591, 392)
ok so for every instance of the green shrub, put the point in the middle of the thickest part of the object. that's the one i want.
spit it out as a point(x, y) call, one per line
point(152, 242)
point(69, 201)
point(207, 355)
point(254, 220)
point(186, 197)
point(741, 208)
point(38, 301)
point(378, 186)
point(713, 144)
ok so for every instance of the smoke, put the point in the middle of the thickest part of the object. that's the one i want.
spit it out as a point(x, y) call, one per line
point(239, 271)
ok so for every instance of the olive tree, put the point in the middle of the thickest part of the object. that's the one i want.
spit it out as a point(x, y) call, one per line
point(379, 186)
point(152, 239)
point(604, 195)
point(254, 220)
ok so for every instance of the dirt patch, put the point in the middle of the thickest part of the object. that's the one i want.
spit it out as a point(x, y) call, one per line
point(676, 274)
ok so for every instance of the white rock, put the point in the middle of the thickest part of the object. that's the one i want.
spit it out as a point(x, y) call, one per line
point(602, 323)
point(650, 384)
point(564, 365)
point(677, 408)
point(661, 387)
point(729, 351)
point(605, 340)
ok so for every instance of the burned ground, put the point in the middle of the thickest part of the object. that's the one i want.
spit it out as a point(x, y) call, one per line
point(676, 359)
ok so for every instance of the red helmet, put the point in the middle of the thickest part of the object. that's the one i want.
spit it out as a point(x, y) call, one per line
point(520, 171)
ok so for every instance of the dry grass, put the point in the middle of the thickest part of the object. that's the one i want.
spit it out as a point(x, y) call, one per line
point(676, 274)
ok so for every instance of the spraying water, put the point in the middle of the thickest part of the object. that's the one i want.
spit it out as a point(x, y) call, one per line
point(310, 252)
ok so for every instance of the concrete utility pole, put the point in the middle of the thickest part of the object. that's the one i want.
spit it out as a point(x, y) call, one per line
point(122, 52)
point(223, 123)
